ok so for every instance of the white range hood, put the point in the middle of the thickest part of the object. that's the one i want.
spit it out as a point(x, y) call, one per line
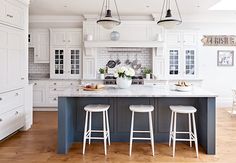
point(120, 44)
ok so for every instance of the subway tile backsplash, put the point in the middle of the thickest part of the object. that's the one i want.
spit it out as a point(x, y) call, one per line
point(144, 55)
point(34, 68)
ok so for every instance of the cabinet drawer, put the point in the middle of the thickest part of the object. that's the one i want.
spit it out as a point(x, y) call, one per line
point(56, 90)
point(11, 100)
point(64, 83)
point(11, 121)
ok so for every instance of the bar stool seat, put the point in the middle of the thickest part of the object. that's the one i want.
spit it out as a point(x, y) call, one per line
point(190, 110)
point(183, 109)
point(141, 109)
point(96, 108)
point(88, 132)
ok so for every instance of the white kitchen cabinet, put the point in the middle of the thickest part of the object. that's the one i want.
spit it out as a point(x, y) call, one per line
point(67, 36)
point(11, 13)
point(65, 59)
point(181, 54)
point(89, 68)
point(46, 92)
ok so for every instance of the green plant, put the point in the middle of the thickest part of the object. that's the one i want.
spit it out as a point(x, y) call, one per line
point(102, 70)
point(147, 71)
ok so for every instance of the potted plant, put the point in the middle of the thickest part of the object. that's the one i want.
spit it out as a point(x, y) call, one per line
point(147, 72)
point(124, 76)
point(102, 73)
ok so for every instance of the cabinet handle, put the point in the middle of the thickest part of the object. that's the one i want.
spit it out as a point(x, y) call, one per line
point(17, 112)
point(22, 78)
point(10, 16)
point(17, 94)
point(35, 83)
point(1, 99)
point(55, 83)
point(0, 119)
point(77, 90)
point(54, 89)
point(55, 99)
point(71, 83)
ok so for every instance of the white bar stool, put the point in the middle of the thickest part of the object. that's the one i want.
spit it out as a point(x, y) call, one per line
point(190, 110)
point(141, 109)
point(106, 131)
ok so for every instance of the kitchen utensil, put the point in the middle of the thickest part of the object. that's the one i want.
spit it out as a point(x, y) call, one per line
point(136, 64)
point(111, 63)
point(118, 60)
point(127, 62)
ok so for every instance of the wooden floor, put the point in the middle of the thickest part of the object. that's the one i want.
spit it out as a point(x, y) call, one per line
point(39, 145)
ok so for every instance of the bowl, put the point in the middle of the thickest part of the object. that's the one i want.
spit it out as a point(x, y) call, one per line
point(183, 88)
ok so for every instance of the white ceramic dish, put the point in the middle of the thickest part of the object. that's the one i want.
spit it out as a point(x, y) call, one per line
point(183, 89)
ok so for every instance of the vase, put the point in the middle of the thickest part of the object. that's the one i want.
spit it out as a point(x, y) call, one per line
point(148, 76)
point(123, 82)
point(102, 76)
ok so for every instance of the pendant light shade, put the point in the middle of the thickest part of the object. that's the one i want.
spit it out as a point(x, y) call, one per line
point(166, 19)
point(106, 20)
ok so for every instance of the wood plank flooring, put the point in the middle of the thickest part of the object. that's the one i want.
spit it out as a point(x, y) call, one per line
point(39, 145)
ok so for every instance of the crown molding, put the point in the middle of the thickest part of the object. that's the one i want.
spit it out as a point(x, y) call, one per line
point(55, 19)
point(26, 2)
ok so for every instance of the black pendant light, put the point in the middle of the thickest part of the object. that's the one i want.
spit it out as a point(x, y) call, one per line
point(106, 20)
point(169, 21)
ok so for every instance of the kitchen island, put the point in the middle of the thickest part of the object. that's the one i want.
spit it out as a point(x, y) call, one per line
point(71, 114)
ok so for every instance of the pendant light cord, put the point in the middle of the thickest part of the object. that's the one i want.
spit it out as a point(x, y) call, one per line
point(178, 10)
point(162, 10)
point(103, 4)
point(117, 10)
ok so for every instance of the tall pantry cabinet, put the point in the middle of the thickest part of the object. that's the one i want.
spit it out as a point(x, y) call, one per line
point(15, 93)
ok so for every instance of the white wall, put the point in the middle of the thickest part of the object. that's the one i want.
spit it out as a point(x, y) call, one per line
point(220, 80)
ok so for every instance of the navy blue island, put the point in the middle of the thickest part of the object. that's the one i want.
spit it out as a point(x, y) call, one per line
point(71, 114)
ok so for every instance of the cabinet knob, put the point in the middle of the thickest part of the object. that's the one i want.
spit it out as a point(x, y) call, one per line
point(55, 89)
point(55, 83)
point(0, 119)
point(55, 99)
point(35, 83)
point(0, 99)
point(17, 94)
point(71, 83)
point(22, 78)
point(17, 112)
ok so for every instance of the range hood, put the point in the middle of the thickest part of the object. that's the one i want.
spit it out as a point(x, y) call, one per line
point(120, 44)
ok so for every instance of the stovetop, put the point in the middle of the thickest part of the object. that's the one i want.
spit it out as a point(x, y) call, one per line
point(111, 80)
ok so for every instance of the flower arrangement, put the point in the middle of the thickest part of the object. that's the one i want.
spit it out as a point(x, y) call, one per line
point(123, 72)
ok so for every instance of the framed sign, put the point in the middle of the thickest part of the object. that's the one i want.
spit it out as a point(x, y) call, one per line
point(225, 58)
point(219, 40)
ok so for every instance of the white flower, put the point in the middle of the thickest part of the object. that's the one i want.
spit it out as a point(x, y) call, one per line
point(130, 72)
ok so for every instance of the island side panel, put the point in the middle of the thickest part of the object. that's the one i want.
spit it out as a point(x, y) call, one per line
point(207, 118)
point(66, 123)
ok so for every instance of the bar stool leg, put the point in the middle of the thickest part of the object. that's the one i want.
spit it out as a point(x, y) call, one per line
point(104, 132)
point(195, 134)
point(108, 129)
point(131, 133)
point(171, 128)
point(90, 124)
point(151, 132)
point(190, 129)
point(85, 131)
point(174, 133)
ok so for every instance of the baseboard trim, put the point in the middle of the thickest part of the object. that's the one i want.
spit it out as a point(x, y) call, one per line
point(44, 109)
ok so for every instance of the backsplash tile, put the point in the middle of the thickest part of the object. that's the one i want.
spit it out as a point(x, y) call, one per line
point(144, 55)
point(43, 68)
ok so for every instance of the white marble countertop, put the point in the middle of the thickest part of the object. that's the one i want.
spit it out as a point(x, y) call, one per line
point(139, 91)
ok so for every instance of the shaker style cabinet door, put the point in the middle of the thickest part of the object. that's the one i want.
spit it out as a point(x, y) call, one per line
point(57, 67)
point(42, 47)
point(3, 59)
point(58, 38)
point(74, 38)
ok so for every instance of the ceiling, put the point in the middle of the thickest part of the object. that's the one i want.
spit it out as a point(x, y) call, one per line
point(126, 7)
